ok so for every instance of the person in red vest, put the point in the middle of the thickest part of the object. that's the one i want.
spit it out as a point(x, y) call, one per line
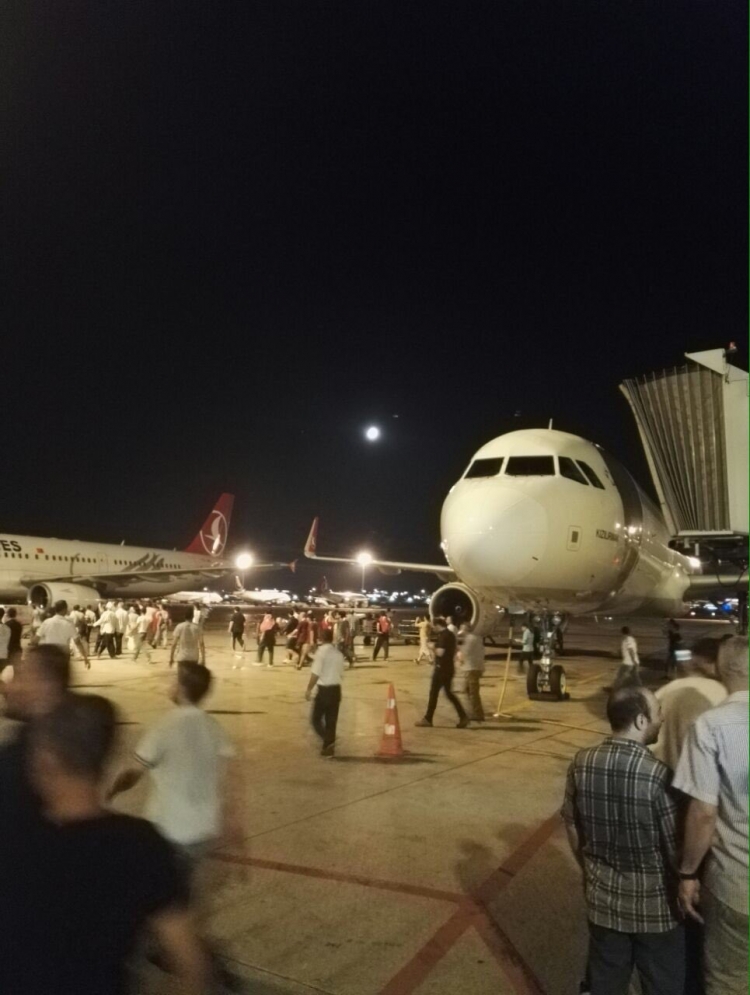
point(383, 640)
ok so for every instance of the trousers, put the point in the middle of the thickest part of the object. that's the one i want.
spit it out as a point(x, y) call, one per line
point(725, 950)
point(325, 713)
point(472, 693)
point(659, 959)
point(442, 678)
point(382, 642)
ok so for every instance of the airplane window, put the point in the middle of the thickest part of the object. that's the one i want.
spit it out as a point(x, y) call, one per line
point(530, 466)
point(484, 468)
point(591, 475)
point(570, 470)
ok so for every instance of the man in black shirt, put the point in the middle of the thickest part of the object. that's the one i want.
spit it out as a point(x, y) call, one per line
point(442, 675)
point(14, 644)
point(105, 876)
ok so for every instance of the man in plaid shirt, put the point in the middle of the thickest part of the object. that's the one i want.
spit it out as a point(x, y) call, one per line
point(620, 819)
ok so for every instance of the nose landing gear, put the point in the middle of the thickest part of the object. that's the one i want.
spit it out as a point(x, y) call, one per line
point(546, 680)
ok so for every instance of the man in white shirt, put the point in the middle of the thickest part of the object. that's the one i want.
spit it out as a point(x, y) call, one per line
point(471, 657)
point(141, 635)
point(527, 647)
point(627, 672)
point(187, 643)
point(60, 631)
point(687, 697)
point(327, 671)
point(713, 771)
point(425, 650)
point(188, 756)
point(107, 631)
point(122, 623)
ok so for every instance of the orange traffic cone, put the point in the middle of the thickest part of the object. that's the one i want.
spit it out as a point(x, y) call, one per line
point(390, 744)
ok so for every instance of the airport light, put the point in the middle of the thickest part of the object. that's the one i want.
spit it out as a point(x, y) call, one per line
point(364, 559)
point(243, 562)
point(372, 434)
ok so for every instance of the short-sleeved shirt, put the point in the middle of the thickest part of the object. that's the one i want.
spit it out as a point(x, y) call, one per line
point(105, 878)
point(527, 641)
point(472, 652)
point(328, 665)
point(629, 649)
point(617, 796)
point(682, 701)
point(183, 752)
point(445, 640)
point(713, 768)
point(187, 642)
point(57, 631)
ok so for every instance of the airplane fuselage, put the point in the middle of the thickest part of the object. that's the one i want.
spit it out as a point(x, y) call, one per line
point(546, 520)
point(28, 562)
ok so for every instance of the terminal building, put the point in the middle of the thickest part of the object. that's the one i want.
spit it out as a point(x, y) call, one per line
point(693, 423)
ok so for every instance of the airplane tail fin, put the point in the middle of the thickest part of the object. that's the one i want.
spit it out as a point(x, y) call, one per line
point(213, 534)
point(312, 540)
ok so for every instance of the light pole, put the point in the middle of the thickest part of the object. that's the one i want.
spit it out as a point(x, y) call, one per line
point(243, 562)
point(364, 559)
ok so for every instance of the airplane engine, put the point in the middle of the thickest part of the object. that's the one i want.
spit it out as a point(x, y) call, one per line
point(45, 595)
point(465, 605)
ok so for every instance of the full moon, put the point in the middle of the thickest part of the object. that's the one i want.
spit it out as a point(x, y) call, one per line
point(372, 433)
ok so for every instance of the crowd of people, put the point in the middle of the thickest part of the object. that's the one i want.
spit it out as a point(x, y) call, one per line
point(656, 815)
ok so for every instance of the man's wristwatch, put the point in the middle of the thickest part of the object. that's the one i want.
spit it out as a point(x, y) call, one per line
point(692, 876)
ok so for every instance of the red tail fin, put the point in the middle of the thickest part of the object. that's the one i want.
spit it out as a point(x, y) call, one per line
point(212, 537)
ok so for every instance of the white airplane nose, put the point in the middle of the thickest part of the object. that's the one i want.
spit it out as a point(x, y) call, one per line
point(494, 534)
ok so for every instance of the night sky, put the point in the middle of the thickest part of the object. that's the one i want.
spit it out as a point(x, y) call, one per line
point(235, 234)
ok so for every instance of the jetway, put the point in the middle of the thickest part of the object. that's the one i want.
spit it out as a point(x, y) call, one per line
point(693, 423)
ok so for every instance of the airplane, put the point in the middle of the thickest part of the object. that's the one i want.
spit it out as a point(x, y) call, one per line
point(326, 598)
point(196, 598)
point(547, 522)
point(43, 571)
point(264, 597)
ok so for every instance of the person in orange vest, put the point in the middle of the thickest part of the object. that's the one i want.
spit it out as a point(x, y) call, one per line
point(383, 629)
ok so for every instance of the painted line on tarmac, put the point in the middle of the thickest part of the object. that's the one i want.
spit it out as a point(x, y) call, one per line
point(474, 914)
point(379, 884)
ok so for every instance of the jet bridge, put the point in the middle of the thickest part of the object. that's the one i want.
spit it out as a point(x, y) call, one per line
point(693, 423)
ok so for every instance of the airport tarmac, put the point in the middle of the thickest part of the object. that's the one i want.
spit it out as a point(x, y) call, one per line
point(444, 872)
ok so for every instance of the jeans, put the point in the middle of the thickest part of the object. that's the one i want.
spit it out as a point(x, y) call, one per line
point(325, 713)
point(658, 957)
point(383, 641)
point(725, 950)
point(442, 679)
point(237, 638)
point(264, 645)
point(106, 642)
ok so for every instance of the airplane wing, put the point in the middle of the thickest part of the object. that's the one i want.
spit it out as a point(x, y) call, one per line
point(443, 571)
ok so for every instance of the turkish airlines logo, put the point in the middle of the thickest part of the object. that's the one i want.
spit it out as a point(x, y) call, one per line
point(216, 538)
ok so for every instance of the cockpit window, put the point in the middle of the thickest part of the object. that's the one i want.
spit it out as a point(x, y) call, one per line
point(570, 470)
point(591, 475)
point(485, 468)
point(530, 466)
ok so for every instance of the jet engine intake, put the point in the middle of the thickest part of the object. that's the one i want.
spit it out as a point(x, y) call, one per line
point(463, 604)
point(45, 595)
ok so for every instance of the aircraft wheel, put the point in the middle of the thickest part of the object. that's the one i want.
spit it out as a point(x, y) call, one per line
point(533, 679)
point(558, 682)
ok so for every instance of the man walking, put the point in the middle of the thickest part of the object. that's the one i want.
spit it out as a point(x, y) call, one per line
point(425, 652)
point(628, 670)
point(4, 645)
point(471, 657)
point(237, 628)
point(327, 672)
point(442, 674)
point(527, 647)
point(107, 632)
point(304, 638)
point(122, 623)
point(713, 772)
point(621, 824)
point(60, 631)
point(16, 630)
point(383, 640)
point(105, 876)
point(187, 643)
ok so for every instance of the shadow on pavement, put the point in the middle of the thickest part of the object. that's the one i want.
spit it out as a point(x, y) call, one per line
point(231, 711)
point(410, 758)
